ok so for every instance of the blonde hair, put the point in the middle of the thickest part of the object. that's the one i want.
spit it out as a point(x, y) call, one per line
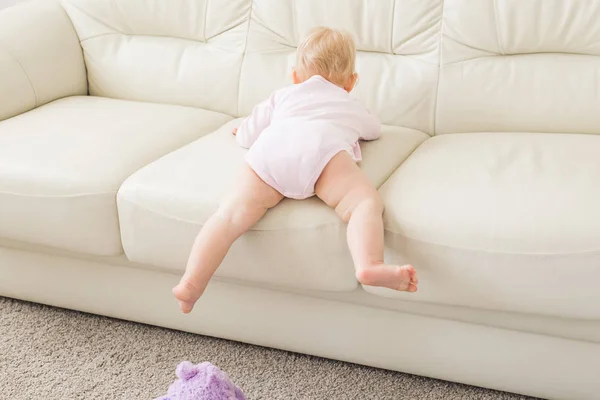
point(326, 52)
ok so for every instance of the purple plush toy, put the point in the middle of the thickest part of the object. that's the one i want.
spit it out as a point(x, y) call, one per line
point(202, 382)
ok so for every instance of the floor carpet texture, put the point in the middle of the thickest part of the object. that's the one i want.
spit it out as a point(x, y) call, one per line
point(49, 353)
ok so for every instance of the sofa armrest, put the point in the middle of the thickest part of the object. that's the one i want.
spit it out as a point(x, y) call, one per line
point(40, 57)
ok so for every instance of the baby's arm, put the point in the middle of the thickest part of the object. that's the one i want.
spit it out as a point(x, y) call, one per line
point(371, 129)
point(258, 121)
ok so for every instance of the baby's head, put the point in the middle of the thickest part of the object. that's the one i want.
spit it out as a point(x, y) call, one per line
point(328, 53)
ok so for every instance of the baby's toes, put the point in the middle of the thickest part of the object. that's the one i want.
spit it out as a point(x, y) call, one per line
point(186, 308)
point(412, 273)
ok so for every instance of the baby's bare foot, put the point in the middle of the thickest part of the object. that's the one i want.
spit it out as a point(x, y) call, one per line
point(187, 295)
point(402, 278)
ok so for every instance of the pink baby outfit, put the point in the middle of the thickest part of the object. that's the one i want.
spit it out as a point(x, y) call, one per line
point(299, 129)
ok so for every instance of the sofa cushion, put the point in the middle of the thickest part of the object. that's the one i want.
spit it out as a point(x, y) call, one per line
point(500, 221)
point(62, 164)
point(299, 243)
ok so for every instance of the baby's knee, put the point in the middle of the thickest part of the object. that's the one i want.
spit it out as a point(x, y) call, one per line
point(236, 211)
point(367, 199)
point(373, 201)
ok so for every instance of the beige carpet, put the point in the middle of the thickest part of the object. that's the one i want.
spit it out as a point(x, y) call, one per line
point(48, 353)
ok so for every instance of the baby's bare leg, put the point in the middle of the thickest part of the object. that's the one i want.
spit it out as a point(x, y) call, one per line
point(239, 212)
point(344, 187)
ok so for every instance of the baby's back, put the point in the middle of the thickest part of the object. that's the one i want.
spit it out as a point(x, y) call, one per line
point(310, 123)
point(318, 106)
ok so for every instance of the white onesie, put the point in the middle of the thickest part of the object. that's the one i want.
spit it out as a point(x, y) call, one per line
point(299, 129)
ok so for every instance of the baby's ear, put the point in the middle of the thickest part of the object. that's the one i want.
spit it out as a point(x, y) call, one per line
point(351, 84)
point(295, 78)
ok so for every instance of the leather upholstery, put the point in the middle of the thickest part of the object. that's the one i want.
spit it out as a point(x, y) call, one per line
point(299, 244)
point(38, 65)
point(488, 166)
point(62, 164)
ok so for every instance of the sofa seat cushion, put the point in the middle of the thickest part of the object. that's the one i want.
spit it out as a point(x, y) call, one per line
point(501, 221)
point(62, 164)
point(298, 244)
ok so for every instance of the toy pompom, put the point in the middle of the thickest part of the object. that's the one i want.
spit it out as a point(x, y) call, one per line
point(186, 370)
point(202, 382)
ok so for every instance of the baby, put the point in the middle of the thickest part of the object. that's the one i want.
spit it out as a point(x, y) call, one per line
point(304, 141)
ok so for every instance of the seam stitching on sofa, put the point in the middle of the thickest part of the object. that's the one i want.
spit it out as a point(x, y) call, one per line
point(286, 47)
point(86, 90)
point(208, 39)
point(471, 47)
point(205, 21)
point(522, 132)
point(411, 57)
point(239, 97)
point(414, 36)
point(93, 18)
point(99, 36)
point(67, 196)
point(282, 39)
point(393, 24)
point(148, 35)
point(437, 86)
point(540, 254)
point(118, 32)
point(403, 161)
point(145, 208)
point(35, 95)
point(523, 55)
point(295, 23)
point(284, 229)
point(121, 14)
point(496, 21)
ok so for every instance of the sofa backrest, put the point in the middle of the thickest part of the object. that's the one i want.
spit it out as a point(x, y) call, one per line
point(40, 57)
point(186, 52)
point(397, 59)
point(520, 66)
point(227, 55)
point(440, 66)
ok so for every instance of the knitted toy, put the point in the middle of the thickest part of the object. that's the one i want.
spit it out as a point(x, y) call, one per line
point(202, 382)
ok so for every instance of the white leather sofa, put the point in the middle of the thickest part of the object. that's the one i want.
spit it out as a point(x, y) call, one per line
point(115, 147)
